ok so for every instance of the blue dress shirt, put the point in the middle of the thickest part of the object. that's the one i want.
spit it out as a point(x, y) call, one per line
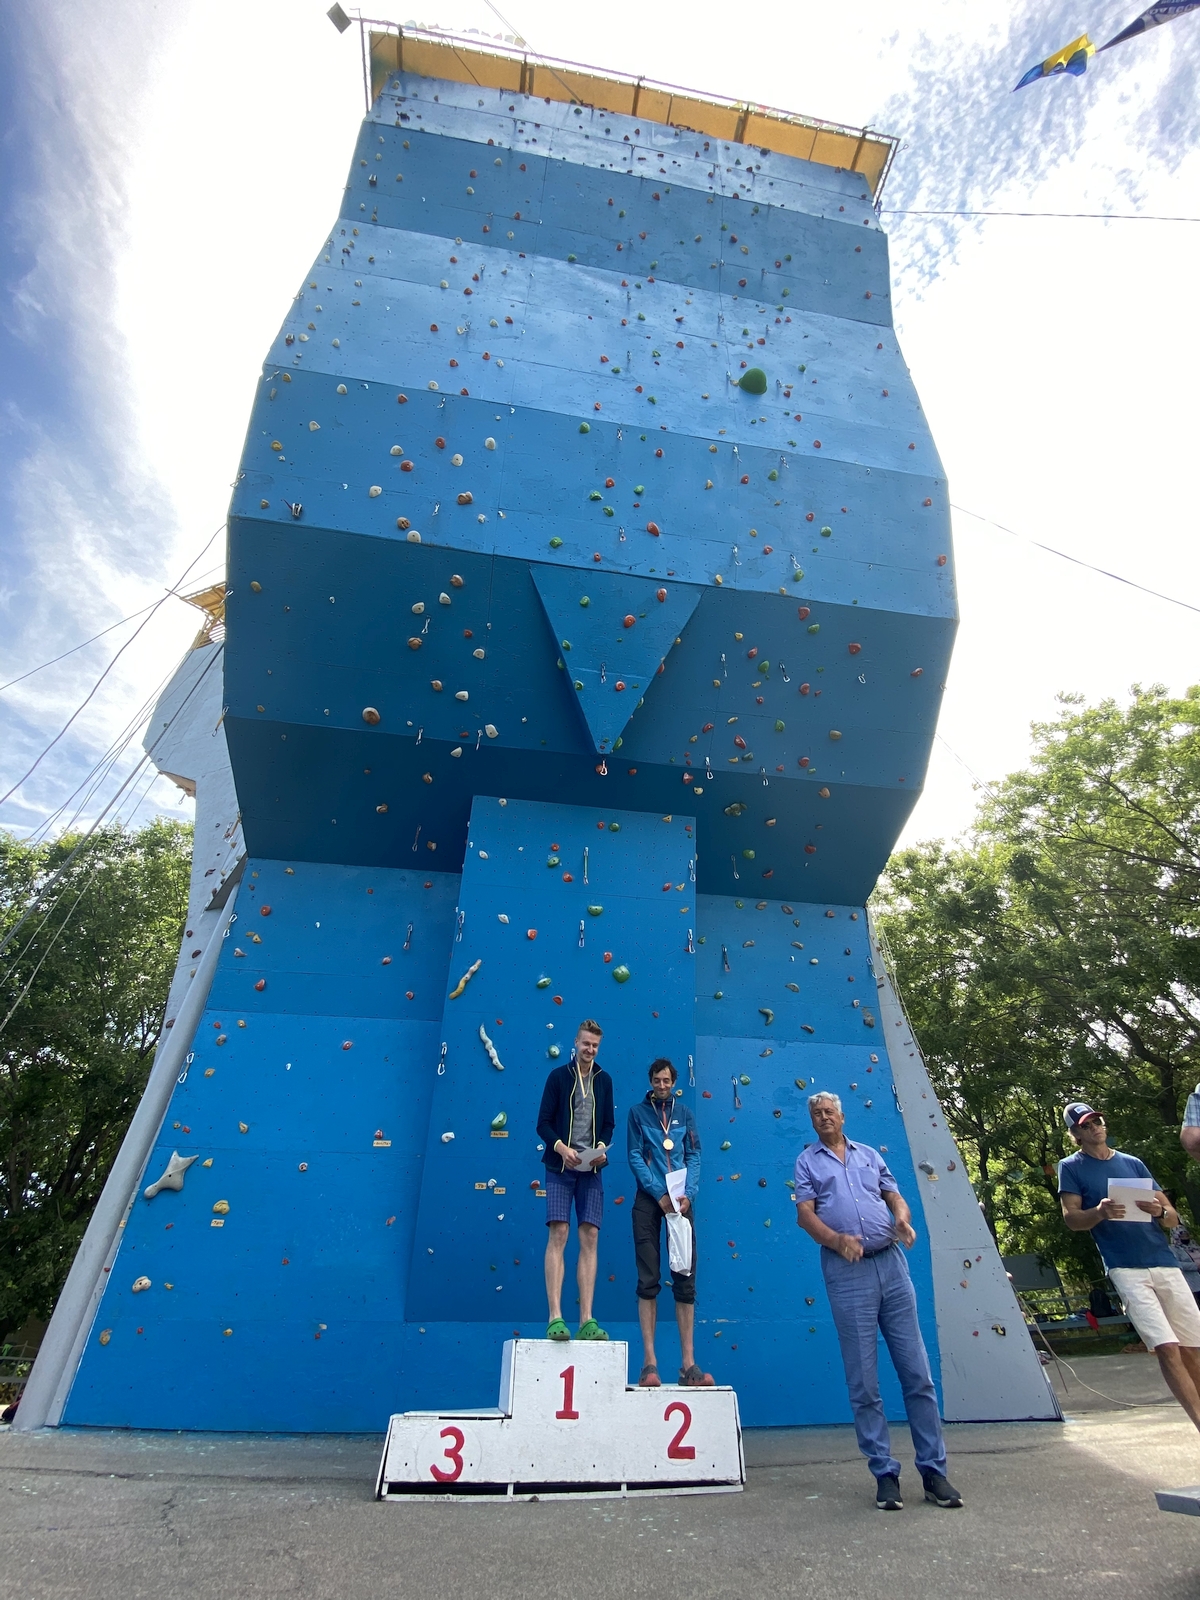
point(849, 1195)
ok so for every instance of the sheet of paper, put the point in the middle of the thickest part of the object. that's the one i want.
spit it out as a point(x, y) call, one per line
point(676, 1184)
point(1127, 1192)
point(588, 1158)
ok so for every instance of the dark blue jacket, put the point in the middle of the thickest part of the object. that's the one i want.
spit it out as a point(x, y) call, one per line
point(554, 1114)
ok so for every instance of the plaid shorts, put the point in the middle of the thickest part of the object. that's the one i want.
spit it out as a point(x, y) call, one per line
point(1191, 1116)
point(585, 1188)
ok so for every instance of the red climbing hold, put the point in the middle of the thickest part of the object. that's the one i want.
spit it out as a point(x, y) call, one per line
point(653, 527)
point(803, 612)
point(261, 985)
point(630, 620)
point(662, 594)
point(855, 649)
point(264, 911)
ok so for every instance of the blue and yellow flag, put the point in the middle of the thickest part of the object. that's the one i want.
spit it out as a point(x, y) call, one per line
point(1072, 58)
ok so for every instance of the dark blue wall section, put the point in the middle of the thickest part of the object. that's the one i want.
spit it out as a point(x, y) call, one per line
point(539, 623)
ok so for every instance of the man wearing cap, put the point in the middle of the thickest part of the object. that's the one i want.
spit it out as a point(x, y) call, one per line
point(1189, 1134)
point(1137, 1256)
point(848, 1201)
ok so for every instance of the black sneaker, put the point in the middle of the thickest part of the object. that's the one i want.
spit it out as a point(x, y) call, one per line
point(887, 1494)
point(940, 1490)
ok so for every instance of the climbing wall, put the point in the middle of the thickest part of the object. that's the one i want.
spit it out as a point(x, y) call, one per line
point(589, 608)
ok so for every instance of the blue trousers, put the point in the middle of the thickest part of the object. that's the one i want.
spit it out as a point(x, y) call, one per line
point(869, 1297)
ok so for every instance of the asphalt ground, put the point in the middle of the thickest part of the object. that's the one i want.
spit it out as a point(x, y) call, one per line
point(1051, 1510)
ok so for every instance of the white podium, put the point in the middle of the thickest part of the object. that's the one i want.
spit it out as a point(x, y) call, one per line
point(568, 1426)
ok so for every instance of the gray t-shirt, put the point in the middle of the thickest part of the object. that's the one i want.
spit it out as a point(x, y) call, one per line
point(581, 1114)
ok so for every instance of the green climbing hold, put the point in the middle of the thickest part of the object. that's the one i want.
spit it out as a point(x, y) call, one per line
point(572, 258)
point(555, 542)
point(639, 488)
point(753, 381)
point(778, 726)
point(773, 476)
point(584, 600)
point(585, 427)
point(594, 911)
point(803, 368)
point(614, 827)
point(543, 982)
point(747, 855)
point(554, 1052)
point(621, 973)
point(609, 512)
point(595, 495)
point(500, 1120)
point(579, 684)
point(726, 1145)
point(797, 572)
point(744, 1079)
point(764, 669)
point(827, 533)
point(618, 744)
point(718, 994)
point(814, 627)
point(566, 644)
point(554, 861)
point(800, 1083)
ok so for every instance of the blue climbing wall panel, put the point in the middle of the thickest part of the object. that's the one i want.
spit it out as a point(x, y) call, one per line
point(507, 525)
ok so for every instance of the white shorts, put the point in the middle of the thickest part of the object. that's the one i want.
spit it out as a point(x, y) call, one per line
point(1160, 1305)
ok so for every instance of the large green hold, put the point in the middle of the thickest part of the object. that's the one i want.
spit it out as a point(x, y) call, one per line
point(753, 381)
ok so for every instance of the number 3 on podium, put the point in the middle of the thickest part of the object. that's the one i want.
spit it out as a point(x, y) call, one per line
point(452, 1452)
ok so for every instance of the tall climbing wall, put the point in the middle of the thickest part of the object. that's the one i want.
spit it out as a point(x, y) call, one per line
point(588, 615)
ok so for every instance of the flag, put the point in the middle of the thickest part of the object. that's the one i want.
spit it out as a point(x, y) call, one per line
point(1153, 17)
point(1072, 58)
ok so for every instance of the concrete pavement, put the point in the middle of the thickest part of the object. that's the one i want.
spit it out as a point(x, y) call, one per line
point(1058, 1510)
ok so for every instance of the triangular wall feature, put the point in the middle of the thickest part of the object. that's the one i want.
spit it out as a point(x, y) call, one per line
point(612, 632)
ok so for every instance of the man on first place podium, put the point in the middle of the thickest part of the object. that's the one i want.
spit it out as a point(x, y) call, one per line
point(576, 1115)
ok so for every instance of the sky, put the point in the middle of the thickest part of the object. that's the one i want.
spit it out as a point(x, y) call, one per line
point(168, 172)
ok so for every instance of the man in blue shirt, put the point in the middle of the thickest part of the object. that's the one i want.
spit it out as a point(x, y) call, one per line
point(848, 1201)
point(661, 1138)
point(1137, 1256)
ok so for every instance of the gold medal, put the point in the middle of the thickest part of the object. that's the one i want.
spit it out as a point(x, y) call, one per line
point(668, 1144)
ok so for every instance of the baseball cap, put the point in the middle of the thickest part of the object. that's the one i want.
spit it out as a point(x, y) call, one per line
point(1076, 1113)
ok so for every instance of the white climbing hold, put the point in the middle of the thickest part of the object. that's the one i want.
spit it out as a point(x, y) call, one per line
point(491, 1049)
point(490, 729)
point(172, 1178)
point(341, 388)
point(444, 284)
point(479, 654)
point(489, 444)
point(446, 1138)
point(501, 917)
point(139, 1284)
point(456, 460)
point(375, 491)
point(314, 427)
point(443, 599)
point(457, 751)
point(396, 450)
point(461, 694)
point(413, 537)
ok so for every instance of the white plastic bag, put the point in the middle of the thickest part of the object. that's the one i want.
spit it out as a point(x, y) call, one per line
point(679, 1241)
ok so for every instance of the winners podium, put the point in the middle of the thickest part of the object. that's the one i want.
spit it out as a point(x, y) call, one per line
point(568, 1426)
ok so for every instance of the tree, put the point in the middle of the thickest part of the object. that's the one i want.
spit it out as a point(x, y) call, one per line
point(83, 986)
point(1054, 955)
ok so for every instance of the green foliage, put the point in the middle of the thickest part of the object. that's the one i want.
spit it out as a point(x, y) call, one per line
point(1054, 956)
point(82, 991)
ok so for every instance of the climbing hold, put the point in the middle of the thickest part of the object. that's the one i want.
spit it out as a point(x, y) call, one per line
point(490, 729)
point(500, 1120)
point(374, 491)
point(629, 620)
point(172, 1178)
point(221, 1208)
point(653, 527)
point(139, 1284)
point(765, 1011)
point(753, 381)
point(621, 973)
point(834, 734)
point(466, 499)
point(531, 933)
point(594, 911)
point(544, 982)
point(465, 979)
point(855, 649)
point(447, 1137)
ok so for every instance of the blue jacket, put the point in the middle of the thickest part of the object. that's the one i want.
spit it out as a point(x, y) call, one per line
point(648, 1159)
point(554, 1113)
